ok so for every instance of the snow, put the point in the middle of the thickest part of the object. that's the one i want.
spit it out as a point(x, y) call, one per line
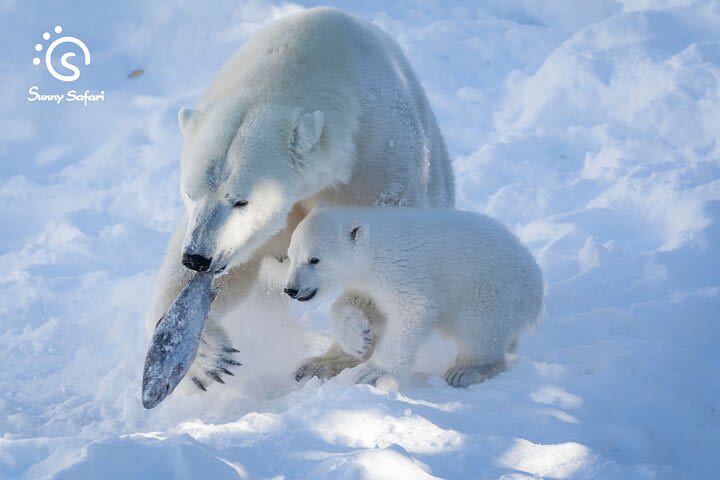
point(591, 128)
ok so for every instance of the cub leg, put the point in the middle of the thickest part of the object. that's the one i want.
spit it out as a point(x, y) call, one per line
point(397, 345)
point(478, 359)
point(356, 322)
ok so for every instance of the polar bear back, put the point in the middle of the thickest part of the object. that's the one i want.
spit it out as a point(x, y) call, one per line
point(375, 109)
point(465, 262)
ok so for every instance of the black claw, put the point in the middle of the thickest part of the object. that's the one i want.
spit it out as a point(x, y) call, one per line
point(230, 350)
point(214, 375)
point(226, 371)
point(230, 361)
point(199, 384)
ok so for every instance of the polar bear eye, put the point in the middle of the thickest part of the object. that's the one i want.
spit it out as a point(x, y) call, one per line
point(314, 261)
point(240, 203)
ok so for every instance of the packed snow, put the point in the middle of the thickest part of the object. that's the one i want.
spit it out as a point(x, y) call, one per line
point(590, 128)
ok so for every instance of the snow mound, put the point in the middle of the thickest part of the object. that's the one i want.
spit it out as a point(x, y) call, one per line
point(591, 129)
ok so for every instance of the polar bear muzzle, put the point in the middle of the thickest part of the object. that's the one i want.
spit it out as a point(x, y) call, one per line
point(196, 262)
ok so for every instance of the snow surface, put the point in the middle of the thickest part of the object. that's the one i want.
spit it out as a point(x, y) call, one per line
point(589, 127)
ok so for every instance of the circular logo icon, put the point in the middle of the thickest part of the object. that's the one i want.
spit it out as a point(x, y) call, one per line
point(65, 59)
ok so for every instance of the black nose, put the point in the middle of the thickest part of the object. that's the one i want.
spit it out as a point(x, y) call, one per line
point(291, 291)
point(196, 262)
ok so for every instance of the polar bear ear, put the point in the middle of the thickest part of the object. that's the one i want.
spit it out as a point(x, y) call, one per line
point(187, 119)
point(307, 132)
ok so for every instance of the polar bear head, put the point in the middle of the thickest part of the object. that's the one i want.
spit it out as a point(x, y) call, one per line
point(243, 168)
point(328, 248)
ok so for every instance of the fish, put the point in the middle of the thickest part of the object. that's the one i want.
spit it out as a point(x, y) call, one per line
point(176, 339)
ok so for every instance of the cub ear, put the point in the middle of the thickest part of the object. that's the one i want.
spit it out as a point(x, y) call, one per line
point(187, 119)
point(307, 132)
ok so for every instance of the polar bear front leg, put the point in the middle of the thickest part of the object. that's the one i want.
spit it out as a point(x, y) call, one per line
point(396, 347)
point(214, 358)
point(355, 323)
point(215, 354)
point(352, 315)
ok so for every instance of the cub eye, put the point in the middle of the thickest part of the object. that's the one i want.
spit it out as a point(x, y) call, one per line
point(314, 260)
point(240, 203)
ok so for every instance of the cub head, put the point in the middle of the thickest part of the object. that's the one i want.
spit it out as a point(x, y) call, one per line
point(242, 171)
point(325, 251)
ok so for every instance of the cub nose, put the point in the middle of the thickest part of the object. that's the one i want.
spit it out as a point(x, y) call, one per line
point(196, 262)
point(291, 291)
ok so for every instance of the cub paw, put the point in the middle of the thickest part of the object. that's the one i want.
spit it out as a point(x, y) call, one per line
point(352, 331)
point(461, 376)
point(324, 367)
point(369, 374)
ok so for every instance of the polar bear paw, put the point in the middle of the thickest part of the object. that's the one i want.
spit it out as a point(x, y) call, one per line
point(352, 331)
point(460, 375)
point(325, 366)
point(370, 374)
point(214, 360)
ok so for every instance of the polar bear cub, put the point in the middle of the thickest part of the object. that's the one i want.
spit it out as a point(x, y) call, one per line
point(462, 273)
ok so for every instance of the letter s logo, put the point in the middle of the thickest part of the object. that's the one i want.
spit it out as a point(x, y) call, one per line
point(64, 60)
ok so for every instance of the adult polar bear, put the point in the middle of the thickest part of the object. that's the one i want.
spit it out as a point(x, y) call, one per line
point(318, 107)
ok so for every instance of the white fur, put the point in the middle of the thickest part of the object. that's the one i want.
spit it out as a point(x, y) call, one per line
point(318, 107)
point(460, 272)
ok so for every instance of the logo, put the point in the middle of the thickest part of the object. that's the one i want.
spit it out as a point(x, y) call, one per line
point(64, 60)
point(69, 71)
